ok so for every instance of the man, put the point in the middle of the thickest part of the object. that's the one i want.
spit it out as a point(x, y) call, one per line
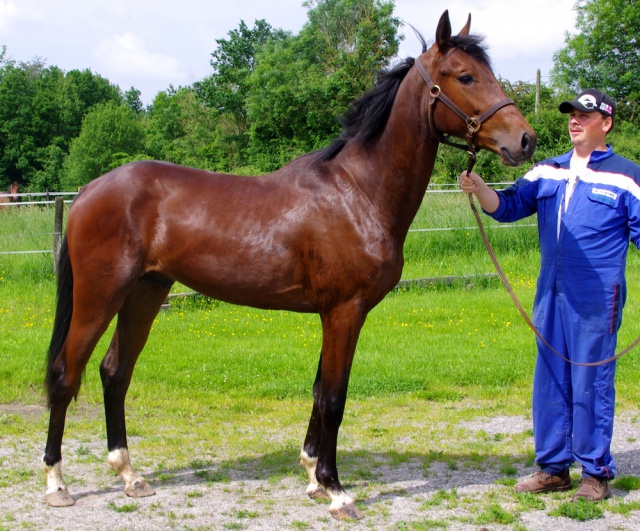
point(588, 207)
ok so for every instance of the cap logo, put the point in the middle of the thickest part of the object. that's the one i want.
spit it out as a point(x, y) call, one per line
point(606, 108)
point(588, 101)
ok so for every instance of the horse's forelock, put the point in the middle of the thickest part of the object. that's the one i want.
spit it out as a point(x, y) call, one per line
point(473, 45)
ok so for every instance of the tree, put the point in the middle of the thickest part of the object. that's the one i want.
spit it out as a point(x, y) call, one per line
point(111, 135)
point(82, 89)
point(20, 121)
point(225, 91)
point(132, 99)
point(180, 129)
point(301, 85)
point(605, 54)
point(233, 61)
point(41, 111)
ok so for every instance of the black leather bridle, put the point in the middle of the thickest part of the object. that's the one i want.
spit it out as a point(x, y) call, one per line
point(473, 122)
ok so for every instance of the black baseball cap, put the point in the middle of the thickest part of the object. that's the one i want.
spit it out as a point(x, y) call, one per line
point(590, 100)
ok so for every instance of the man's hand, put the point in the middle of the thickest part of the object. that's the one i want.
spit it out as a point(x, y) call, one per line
point(472, 183)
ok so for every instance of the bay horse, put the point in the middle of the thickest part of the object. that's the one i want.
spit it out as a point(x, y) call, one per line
point(323, 234)
point(12, 194)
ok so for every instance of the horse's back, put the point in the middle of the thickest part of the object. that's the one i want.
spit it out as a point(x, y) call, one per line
point(235, 238)
point(283, 240)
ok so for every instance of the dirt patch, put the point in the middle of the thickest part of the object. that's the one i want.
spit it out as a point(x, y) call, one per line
point(397, 492)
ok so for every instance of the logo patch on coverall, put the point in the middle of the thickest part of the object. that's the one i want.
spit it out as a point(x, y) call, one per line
point(603, 196)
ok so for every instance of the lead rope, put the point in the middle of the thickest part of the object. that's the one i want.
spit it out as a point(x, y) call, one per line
point(473, 125)
point(507, 285)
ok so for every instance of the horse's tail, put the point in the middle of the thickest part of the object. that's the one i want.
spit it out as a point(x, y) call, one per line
point(62, 320)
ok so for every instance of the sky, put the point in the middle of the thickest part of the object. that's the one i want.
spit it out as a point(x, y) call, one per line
point(154, 44)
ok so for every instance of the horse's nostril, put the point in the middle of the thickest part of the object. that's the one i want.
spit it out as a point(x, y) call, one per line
point(528, 144)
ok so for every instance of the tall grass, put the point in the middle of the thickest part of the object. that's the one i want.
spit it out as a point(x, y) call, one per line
point(26, 229)
point(436, 342)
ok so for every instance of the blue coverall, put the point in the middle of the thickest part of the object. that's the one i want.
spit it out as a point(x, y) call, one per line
point(579, 299)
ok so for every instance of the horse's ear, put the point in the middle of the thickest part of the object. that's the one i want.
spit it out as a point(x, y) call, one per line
point(467, 27)
point(443, 33)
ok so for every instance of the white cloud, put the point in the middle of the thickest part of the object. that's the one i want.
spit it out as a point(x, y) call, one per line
point(521, 35)
point(151, 44)
point(8, 12)
point(13, 12)
point(126, 55)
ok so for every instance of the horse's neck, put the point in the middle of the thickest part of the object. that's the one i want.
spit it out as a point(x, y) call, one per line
point(400, 163)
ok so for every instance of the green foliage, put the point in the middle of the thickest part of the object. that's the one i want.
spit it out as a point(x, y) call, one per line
point(274, 95)
point(302, 84)
point(111, 135)
point(132, 99)
point(604, 54)
point(181, 130)
point(225, 92)
point(625, 138)
point(581, 510)
point(627, 483)
point(41, 111)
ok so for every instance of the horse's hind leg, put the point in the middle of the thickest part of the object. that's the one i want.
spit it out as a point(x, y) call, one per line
point(134, 323)
point(67, 371)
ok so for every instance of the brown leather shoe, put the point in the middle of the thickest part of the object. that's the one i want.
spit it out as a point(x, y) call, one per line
point(593, 489)
point(543, 482)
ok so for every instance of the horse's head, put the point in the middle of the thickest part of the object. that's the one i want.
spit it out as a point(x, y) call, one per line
point(13, 191)
point(465, 97)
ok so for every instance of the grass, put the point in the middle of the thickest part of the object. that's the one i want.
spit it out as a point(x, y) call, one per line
point(216, 376)
point(460, 340)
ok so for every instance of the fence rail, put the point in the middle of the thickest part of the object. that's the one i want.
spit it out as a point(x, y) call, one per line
point(51, 199)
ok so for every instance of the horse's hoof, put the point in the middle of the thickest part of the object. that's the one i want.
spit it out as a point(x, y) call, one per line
point(139, 489)
point(347, 512)
point(318, 494)
point(59, 498)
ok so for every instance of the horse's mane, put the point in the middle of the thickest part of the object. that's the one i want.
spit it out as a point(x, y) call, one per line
point(367, 116)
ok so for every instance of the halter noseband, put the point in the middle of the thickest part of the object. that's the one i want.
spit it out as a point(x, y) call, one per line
point(473, 123)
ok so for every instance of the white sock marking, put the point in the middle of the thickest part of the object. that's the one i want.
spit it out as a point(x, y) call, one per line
point(54, 477)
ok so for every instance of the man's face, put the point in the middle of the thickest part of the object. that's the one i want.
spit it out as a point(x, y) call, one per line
point(588, 129)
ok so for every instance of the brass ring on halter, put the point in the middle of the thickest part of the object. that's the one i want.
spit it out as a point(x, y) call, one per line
point(435, 91)
point(473, 125)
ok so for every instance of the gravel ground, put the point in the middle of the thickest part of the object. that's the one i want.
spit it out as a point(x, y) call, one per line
point(400, 496)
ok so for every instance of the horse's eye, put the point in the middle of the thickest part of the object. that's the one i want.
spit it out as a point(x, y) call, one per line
point(465, 79)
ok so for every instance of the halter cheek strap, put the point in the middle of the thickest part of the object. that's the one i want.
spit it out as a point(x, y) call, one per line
point(473, 123)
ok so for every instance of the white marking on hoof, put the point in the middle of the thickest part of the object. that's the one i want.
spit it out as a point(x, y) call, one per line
point(343, 507)
point(347, 512)
point(339, 500)
point(57, 494)
point(135, 485)
point(314, 489)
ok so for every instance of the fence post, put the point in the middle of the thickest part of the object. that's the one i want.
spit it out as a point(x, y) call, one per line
point(57, 233)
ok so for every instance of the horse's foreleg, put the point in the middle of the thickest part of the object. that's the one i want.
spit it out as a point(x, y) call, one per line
point(309, 453)
point(134, 323)
point(341, 328)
